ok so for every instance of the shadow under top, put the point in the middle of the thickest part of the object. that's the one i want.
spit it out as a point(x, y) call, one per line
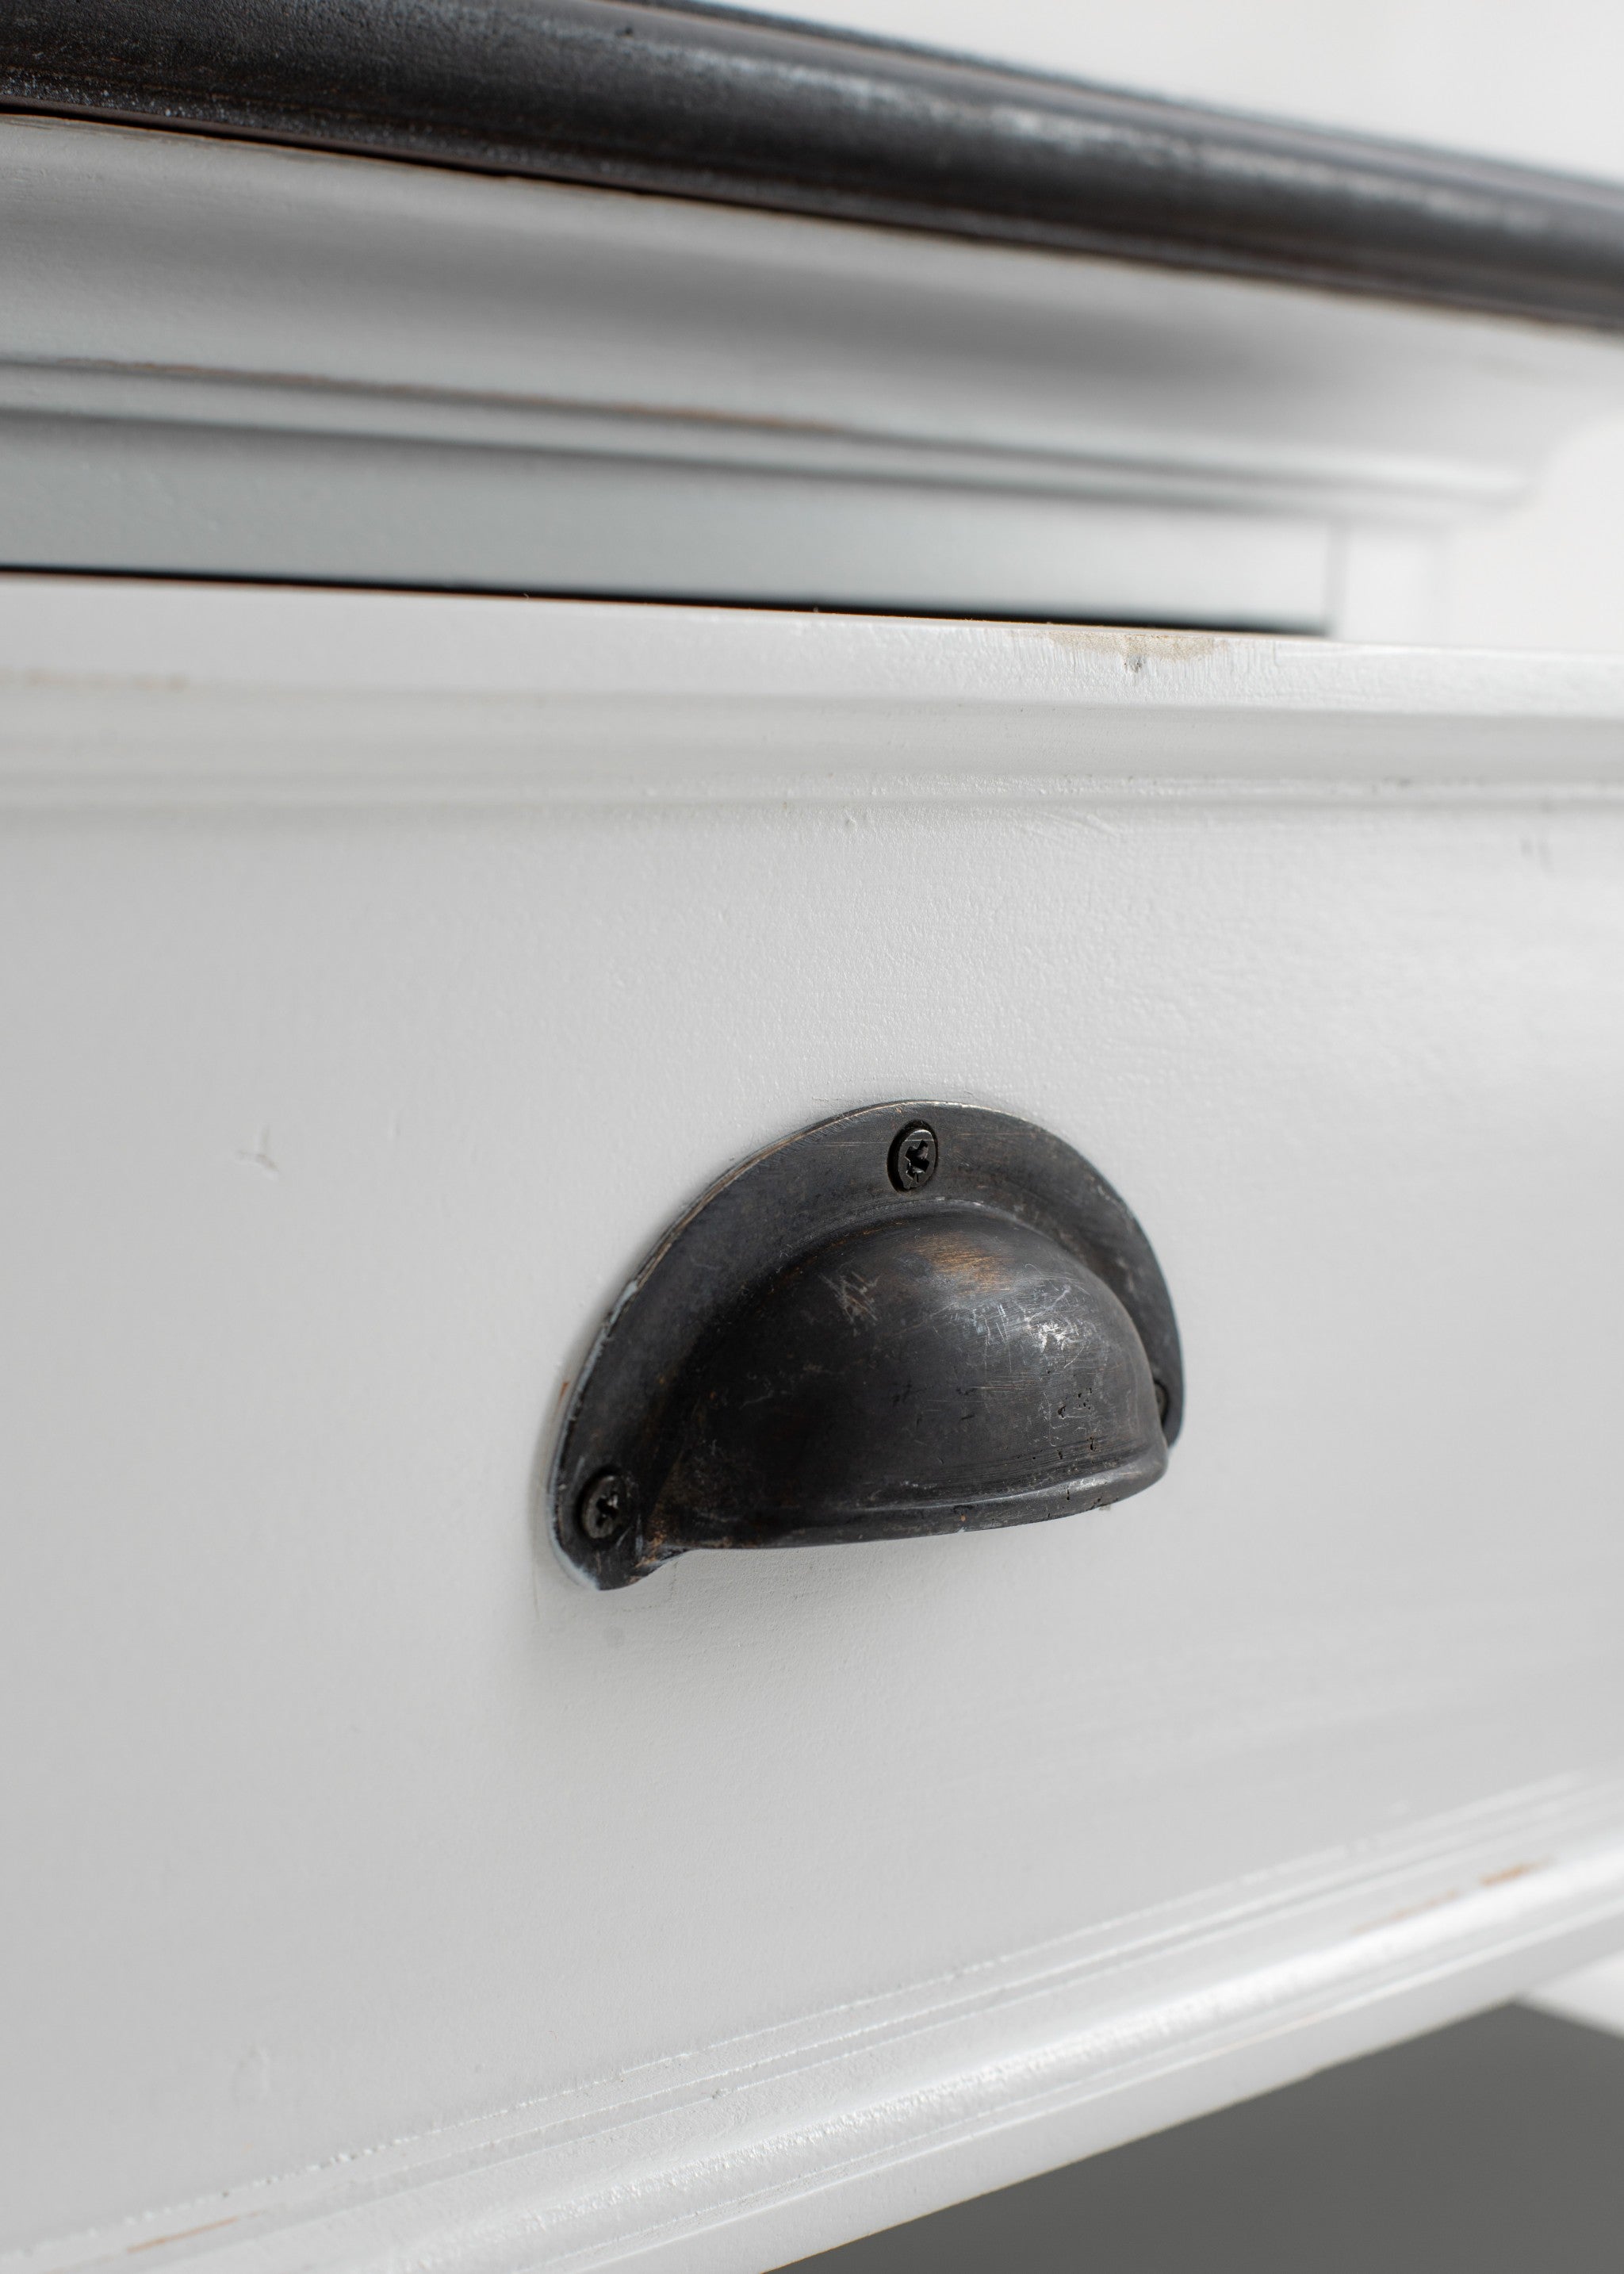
point(745, 111)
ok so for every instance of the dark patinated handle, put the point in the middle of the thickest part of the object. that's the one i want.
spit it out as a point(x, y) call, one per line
point(916, 1318)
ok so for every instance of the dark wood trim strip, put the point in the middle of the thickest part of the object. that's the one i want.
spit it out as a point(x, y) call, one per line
point(703, 103)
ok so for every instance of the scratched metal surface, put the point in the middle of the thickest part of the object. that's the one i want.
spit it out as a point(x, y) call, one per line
point(823, 1351)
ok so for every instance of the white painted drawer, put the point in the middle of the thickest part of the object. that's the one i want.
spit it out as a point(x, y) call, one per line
point(381, 972)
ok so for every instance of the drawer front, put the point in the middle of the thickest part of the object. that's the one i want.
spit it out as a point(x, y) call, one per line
point(366, 1021)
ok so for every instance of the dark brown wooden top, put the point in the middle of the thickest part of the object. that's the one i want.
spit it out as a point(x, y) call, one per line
point(704, 103)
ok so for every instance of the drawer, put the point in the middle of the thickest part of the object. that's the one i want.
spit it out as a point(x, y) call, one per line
point(383, 973)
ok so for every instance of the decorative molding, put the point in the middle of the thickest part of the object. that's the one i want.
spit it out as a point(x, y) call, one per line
point(746, 2153)
point(122, 693)
point(705, 103)
point(228, 360)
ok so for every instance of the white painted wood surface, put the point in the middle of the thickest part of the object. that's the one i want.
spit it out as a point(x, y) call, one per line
point(220, 359)
point(1594, 1995)
point(381, 972)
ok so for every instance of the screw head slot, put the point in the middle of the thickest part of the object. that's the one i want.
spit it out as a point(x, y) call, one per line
point(604, 1507)
point(912, 1162)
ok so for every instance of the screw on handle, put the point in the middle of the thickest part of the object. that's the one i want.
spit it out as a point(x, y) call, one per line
point(912, 1162)
point(605, 1509)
